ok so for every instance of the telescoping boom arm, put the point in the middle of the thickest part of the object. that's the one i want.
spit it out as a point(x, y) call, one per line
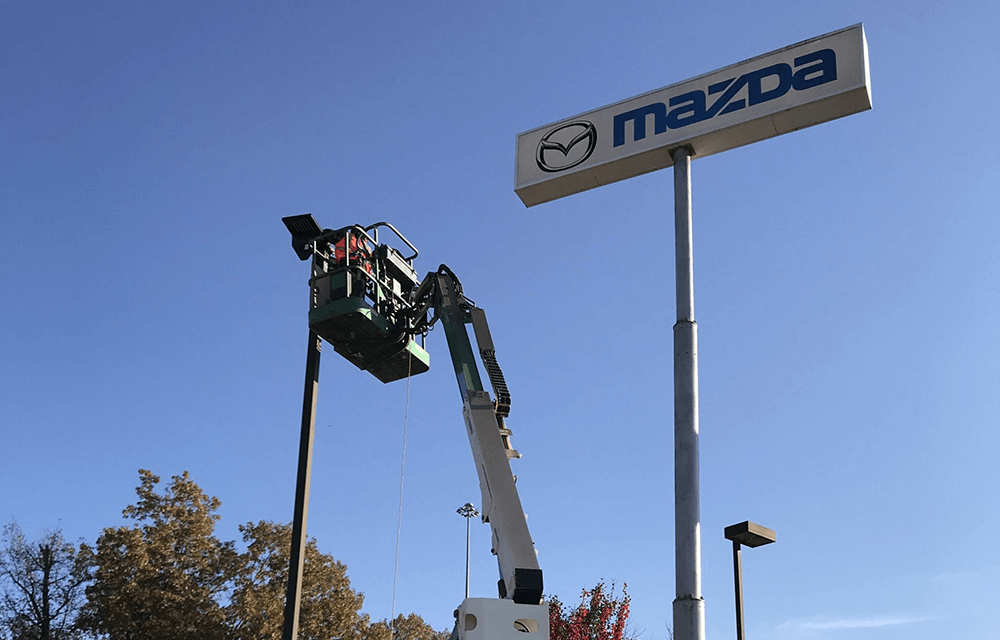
point(521, 578)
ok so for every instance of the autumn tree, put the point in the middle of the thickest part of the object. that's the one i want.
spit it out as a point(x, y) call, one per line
point(411, 627)
point(41, 586)
point(329, 607)
point(599, 616)
point(167, 576)
point(163, 576)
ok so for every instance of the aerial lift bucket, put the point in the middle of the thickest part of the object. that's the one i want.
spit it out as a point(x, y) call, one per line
point(365, 337)
point(359, 297)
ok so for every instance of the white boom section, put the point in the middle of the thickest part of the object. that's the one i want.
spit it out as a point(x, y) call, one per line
point(501, 505)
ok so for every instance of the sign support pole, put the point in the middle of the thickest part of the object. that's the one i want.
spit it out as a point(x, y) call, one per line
point(688, 606)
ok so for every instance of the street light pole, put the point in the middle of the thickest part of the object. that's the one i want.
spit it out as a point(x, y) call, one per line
point(296, 560)
point(752, 535)
point(468, 512)
point(304, 231)
point(738, 571)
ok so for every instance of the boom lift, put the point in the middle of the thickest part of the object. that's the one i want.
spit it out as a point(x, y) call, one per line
point(367, 301)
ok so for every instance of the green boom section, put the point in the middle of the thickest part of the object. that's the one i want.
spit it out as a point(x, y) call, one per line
point(454, 318)
point(365, 338)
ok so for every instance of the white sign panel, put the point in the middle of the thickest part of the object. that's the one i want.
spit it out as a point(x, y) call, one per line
point(796, 87)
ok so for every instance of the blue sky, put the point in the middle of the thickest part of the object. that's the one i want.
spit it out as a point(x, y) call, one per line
point(846, 290)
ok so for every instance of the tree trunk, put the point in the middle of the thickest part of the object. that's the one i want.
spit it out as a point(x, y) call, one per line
point(46, 599)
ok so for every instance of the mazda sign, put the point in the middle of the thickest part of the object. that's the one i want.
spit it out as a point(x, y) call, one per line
point(796, 87)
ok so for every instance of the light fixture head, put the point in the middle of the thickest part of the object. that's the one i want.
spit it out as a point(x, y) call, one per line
point(304, 230)
point(750, 534)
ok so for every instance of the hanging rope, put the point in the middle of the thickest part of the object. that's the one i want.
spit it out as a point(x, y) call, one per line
point(402, 468)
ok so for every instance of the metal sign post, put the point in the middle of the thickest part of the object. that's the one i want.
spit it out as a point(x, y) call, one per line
point(799, 86)
point(689, 607)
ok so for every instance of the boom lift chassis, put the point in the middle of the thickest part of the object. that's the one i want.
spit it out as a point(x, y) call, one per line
point(366, 301)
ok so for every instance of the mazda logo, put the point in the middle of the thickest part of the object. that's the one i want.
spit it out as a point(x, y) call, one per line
point(562, 148)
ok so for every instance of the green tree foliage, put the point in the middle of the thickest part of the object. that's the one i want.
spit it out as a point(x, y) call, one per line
point(164, 576)
point(599, 616)
point(41, 586)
